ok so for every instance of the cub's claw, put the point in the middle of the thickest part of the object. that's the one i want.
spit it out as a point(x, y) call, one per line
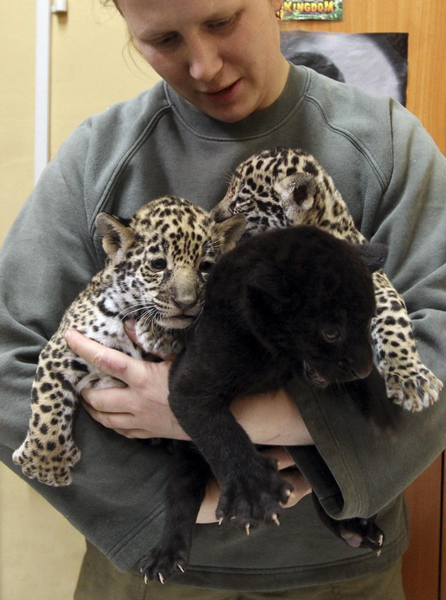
point(251, 500)
point(164, 560)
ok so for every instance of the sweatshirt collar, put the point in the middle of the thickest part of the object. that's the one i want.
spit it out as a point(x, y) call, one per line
point(256, 124)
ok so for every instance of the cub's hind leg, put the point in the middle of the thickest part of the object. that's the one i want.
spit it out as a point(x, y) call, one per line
point(184, 495)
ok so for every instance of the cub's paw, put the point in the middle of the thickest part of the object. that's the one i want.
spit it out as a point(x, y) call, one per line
point(414, 388)
point(254, 498)
point(164, 560)
point(356, 533)
point(47, 461)
point(360, 533)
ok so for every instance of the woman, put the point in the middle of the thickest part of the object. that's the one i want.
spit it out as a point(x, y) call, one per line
point(227, 93)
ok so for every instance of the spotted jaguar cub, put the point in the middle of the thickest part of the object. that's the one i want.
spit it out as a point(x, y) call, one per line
point(285, 187)
point(156, 270)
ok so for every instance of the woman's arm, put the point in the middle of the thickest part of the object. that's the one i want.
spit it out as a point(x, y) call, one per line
point(141, 410)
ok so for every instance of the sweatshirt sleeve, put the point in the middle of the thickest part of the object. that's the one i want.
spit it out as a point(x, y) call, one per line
point(357, 468)
point(116, 498)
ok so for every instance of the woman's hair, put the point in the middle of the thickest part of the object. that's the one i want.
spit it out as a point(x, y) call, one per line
point(110, 3)
point(131, 40)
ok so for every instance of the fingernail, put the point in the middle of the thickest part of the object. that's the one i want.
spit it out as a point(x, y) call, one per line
point(68, 335)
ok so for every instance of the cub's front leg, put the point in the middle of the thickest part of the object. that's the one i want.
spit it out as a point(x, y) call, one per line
point(408, 381)
point(48, 451)
point(252, 491)
point(254, 495)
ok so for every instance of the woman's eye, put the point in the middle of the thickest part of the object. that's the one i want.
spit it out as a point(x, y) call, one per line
point(158, 264)
point(331, 335)
point(206, 266)
point(166, 41)
point(218, 25)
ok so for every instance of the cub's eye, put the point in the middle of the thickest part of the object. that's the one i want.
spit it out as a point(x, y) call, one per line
point(206, 266)
point(331, 335)
point(240, 201)
point(158, 264)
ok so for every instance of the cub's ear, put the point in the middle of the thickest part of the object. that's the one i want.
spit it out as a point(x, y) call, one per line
point(231, 230)
point(374, 255)
point(117, 237)
point(296, 194)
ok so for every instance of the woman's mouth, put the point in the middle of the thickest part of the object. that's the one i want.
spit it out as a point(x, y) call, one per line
point(224, 95)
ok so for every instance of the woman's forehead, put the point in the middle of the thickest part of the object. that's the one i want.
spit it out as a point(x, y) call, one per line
point(153, 16)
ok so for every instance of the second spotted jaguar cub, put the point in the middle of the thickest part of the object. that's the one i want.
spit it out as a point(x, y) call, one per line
point(156, 270)
point(286, 187)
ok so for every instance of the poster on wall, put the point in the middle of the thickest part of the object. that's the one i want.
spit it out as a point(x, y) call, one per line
point(375, 62)
point(328, 10)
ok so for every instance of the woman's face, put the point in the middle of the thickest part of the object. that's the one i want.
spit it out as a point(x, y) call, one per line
point(222, 56)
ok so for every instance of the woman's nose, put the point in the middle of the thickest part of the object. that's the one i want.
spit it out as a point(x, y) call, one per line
point(204, 60)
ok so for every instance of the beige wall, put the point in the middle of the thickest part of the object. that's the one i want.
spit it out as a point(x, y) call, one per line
point(91, 66)
point(17, 40)
point(40, 552)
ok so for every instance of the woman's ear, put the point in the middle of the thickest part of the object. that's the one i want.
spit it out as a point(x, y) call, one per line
point(277, 4)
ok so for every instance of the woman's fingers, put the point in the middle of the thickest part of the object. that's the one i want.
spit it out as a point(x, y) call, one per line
point(299, 483)
point(283, 458)
point(129, 327)
point(133, 434)
point(108, 400)
point(291, 473)
point(112, 420)
point(107, 360)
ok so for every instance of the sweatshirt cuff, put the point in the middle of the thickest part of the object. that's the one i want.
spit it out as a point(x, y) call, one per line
point(311, 464)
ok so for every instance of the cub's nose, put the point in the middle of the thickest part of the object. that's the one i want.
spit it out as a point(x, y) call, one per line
point(361, 372)
point(185, 303)
point(358, 368)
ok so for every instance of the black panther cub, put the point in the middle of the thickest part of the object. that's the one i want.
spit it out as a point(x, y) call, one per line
point(286, 302)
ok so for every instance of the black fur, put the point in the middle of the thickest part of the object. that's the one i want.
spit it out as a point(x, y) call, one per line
point(286, 302)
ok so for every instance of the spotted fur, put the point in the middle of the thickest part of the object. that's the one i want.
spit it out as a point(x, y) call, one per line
point(286, 187)
point(156, 270)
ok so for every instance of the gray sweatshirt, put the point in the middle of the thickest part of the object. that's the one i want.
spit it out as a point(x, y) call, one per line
point(393, 179)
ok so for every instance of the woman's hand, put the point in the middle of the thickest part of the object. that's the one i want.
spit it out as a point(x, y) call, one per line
point(140, 410)
point(289, 472)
